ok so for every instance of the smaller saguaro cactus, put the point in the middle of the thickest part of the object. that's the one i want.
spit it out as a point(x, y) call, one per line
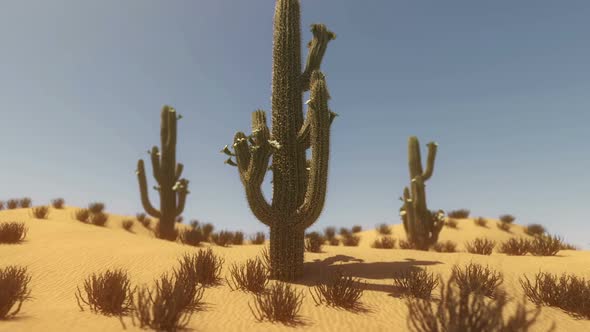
point(422, 226)
point(167, 172)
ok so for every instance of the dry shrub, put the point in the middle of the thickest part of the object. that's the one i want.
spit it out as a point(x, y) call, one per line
point(334, 242)
point(127, 224)
point(467, 312)
point(258, 238)
point(179, 219)
point(204, 265)
point(58, 203)
point(507, 218)
point(416, 282)
point(194, 223)
point(1, 205)
point(12, 204)
point(207, 231)
point(459, 214)
point(446, 246)
point(534, 229)
point(515, 247)
point(223, 238)
point(569, 293)
point(451, 223)
point(405, 244)
point(237, 238)
point(340, 291)
point(480, 221)
point(251, 276)
point(385, 242)
point(383, 229)
point(351, 240)
point(314, 242)
point(96, 207)
point(191, 236)
point(545, 245)
point(12, 232)
point(480, 246)
point(14, 290)
point(82, 215)
point(356, 228)
point(345, 232)
point(476, 278)
point(329, 233)
point(99, 219)
point(25, 202)
point(503, 226)
point(140, 217)
point(108, 293)
point(40, 212)
point(265, 253)
point(568, 246)
point(170, 305)
point(280, 303)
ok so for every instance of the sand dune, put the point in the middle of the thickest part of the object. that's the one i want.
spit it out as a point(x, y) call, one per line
point(61, 252)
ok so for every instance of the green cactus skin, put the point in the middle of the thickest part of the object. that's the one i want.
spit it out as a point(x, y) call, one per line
point(422, 226)
point(167, 172)
point(299, 185)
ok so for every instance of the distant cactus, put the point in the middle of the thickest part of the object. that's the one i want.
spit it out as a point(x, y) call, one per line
point(299, 185)
point(167, 172)
point(422, 226)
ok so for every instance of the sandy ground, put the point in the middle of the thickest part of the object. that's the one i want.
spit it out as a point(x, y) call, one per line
point(61, 252)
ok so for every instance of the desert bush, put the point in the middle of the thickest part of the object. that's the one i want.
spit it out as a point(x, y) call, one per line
point(82, 215)
point(25, 202)
point(107, 293)
point(334, 242)
point(534, 229)
point(467, 312)
point(314, 242)
point(258, 238)
point(170, 305)
point(14, 290)
point(458, 214)
point(451, 223)
point(140, 216)
point(58, 203)
point(12, 232)
point(476, 278)
point(480, 246)
point(207, 231)
point(569, 293)
point(194, 223)
point(385, 242)
point(503, 226)
point(515, 247)
point(96, 207)
point(405, 244)
point(237, 238)
point(127, 224)
point(191, 236)
point(351, 240)
point(383, 229)
point(98, 219)
point(251, 276)
point(1, 205)
point(545, 245)
point(345, 232)
point(356, 228)
point(568, 246)
point(179, 219)
point(222, 238)
point(205, 265)
point(40, 212)
point(446, 246)
point(339, 291)
point(480, 221)
point(507, 218)
point(415, 282)
point(265, 258)
point(12, 204)
point(329, 233)
point(280, 303)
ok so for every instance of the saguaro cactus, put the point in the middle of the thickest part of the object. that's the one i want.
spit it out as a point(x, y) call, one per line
point(299, 185)
point(167, 172)
point(422, 226)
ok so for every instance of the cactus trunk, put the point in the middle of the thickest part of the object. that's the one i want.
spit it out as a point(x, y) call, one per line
point(299, 185)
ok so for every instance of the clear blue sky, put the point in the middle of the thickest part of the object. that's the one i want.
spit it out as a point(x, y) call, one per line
point(502, 86)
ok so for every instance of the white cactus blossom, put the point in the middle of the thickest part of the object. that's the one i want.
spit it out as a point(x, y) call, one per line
point(275, 144)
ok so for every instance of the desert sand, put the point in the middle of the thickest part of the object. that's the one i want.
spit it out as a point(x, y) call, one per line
point(61, 252)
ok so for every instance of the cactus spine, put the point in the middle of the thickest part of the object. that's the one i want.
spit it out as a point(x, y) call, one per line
point(422, 226)
point(167, 172)
point(299, 185)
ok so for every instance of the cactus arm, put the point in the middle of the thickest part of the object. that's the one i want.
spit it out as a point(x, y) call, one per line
point(432, 147)
point(303, 135)
point(181, 188)
point(315, 194)
point(414, 158)
point(145, 200)
point(155, 158)
point(409, 217)
point(242, 152)
point(317, 48)
point(178, 172)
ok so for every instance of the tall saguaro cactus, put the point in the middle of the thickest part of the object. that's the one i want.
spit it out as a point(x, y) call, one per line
point(422, 226)
point(299, 185)
point(167, 172)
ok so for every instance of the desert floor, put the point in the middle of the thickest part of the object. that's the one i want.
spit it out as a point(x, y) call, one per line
point(61, 252)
